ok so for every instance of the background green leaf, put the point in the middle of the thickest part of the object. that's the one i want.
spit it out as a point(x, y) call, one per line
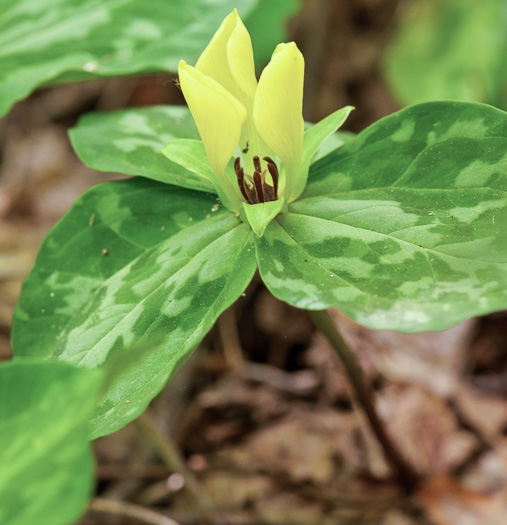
point(44, 449)
point(44, 42)
point(130, 141)
point(132, 263)
point(453, 49)
point(404, 227)
point(267, 25)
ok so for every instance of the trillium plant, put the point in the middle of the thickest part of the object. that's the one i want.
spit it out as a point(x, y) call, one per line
point(401, 227)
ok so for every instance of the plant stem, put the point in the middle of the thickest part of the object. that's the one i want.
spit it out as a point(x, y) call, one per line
point(229, 336)
point(121, 508)
point(171, 456)
point(407, 477)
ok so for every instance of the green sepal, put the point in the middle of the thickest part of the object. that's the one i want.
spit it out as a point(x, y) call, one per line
point(191, 155)
point(260, 215)
point(333, 141)
point(313, 139)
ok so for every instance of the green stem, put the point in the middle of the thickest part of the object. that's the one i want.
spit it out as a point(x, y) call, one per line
point(407, 477)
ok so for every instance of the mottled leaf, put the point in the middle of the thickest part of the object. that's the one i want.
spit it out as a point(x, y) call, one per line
point(456, 49)
point(133, 263)
point(45, 454)
point(130, 141)
point(404, 227)
point(52, 41)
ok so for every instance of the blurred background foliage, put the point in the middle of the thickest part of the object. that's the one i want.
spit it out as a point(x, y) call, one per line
point(449, 49)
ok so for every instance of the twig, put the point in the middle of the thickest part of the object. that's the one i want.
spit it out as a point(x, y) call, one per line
point(171, 456)
point(121, 508)
point(406, 475)
point(228, 330)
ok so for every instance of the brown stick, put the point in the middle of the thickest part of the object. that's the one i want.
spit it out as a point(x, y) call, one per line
point(122, 508)
point(171, 456)
point(407, 477)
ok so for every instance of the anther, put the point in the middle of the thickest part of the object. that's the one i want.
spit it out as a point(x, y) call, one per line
point(257, 164)
point(258, 186)
point(255, 189)
point(273, 170)
point(240, 174)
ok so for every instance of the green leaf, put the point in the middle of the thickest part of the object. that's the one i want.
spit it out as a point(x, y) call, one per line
point(45, 42)
point(260, 215)
point(455, 49)
point(130, 141)
point(267, 25)
point(132, 263)
point(313, 139)
point(45, 454)
point(405, 227)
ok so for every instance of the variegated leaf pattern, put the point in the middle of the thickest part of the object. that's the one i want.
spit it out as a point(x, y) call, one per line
point(133, 263)
point(404, 227)
point(130, 141)
point(45, 42)
point(44, 441)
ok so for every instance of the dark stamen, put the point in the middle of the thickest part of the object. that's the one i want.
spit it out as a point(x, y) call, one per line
point(257, 164)
point(241, 177)
point(269, 194)
point(258, 185)
point(250, 190)
point(273, 170)
point(255, 189)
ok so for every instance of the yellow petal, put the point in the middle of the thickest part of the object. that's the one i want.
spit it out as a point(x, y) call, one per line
point(229, 60)
point(218, 117)
point(277, 110)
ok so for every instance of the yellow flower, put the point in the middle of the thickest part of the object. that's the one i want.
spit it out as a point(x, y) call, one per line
point(259, 123)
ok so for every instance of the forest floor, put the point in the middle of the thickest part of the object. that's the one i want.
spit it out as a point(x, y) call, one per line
point(262, 414)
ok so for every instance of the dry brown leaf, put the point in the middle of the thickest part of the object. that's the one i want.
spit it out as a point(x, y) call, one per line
point(486, 413)
point(488, 473)
point(234, 490)
point(447, 503)
point(309, 445)
point(433, 360)
point(288, 508)
point(425, 429)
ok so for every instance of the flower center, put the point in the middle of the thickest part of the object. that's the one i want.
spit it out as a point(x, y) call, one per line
point(254, 188)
